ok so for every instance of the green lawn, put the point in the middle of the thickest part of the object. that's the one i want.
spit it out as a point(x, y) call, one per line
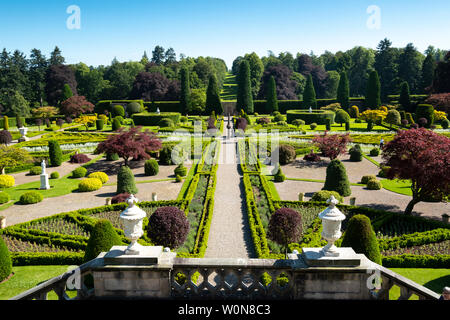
point(229, 89)
point(25, 278)
point(433, 279)
point(398, 186)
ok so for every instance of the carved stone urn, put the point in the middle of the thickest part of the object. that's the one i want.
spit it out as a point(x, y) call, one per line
point(132, 218)
point(332, 218)
point(23, 132)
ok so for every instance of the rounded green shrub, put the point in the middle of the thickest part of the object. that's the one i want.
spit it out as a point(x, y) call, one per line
point(103, 177)
point(7, 181)
point(365, 179)
point(337, 179)
point(425, 111)
point(361, 237)
point(31, 197)
point(79, 172)
point(134, 107)
point(286, 154)
point(112, 157)
point(324, 195)
point(151, 167)
point(54, 175)
point(118, 110)
point(374, 185)
point(116, 125)
point(180, 171)
point(89, 184)
point(279, 176)
point(278, 118)
point(184, 119)
point(374, 152)
point(4, 197)
point(99, 123)
point(356, 154)
point(445, 123)
point(55, 153)
point(5, 261)
point(35, 171)
point(102, 238)
point(165, 156)
point(383, 172)
point(166, 122)
point(125, 181)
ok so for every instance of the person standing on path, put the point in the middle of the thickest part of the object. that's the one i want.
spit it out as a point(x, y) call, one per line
point(381, 144)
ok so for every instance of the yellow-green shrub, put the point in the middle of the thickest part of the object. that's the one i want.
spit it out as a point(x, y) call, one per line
point(103, 177)
point(7, 181)
point(89, 184)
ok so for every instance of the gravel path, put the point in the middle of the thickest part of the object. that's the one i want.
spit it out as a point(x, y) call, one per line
point(229, 235)
point(380, 199)
point(165, 190)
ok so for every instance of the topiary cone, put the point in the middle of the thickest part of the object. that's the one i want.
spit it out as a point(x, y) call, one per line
point(102, 238)
point(5, 261)
point(125, 181)
point(337, 179)
point(361, 237)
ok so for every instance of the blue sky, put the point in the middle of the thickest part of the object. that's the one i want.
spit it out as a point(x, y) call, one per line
point(224, 29)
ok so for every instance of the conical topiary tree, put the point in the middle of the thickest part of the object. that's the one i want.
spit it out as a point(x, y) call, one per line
point(54, 153)
point(271, 98)
point(102, 238)
point(337, 179)
point(5, 261)
point(185, 95)
point(373, 96)
point(125, 181)
point(244, 91)
point(309, 94)
point(213, 103)
point(405, 99)
point(361, 237)
point(343, 92)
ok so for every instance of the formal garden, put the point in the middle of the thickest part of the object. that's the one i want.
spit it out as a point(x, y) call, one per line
point(67, 171)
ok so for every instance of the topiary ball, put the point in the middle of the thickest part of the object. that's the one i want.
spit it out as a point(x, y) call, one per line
point(324, 195)
point(374, 184)
point(102, 238)
point(361, 237)
point(313, 126)
point(5, 261)
point(168, 226)
point(445, 123)
point(79, 172)
point(35, 171)
point(134, 107)
point(366, 179)
point(6, 181)
point(151, 167)
point(118, 110)
point(374, 152)
point(89, 185)
point(278, 118)
point(103, 177)
point(31, 197)
point(125, 181)
point(180, 171)
point(286, 154)
point(54, 175)
point(4, 197)
point(165, 156)
point(166, 122)
point(356, 154)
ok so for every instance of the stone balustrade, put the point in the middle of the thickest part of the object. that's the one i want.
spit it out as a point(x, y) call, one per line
point(168, 277)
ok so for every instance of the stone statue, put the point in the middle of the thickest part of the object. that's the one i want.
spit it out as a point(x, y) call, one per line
point(43, 166)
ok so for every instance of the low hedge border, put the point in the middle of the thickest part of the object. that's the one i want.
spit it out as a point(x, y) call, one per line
point(316, 116)
point(153, 119)
point(416, 261)
point(46, 258)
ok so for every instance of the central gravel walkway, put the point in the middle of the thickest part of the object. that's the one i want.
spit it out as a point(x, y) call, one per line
point(229, 236)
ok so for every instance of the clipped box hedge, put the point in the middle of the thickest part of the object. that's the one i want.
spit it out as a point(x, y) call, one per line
point(153, 119)
point(316, 116)
point(285, 105)
point(164, 106)
point(103, 105)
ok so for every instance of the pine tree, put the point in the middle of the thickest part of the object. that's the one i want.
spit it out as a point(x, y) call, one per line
point(373, 98)
point(343, 92)
point(185, 101)
point(428, 68)
point(405, 99)
point(271, 99)
point(244, 90)
point(213, 102)
point(309, 94)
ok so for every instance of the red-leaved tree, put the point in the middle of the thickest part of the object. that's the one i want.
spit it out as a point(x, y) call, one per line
point(133, 143)
point(332, 146)
point(441, 101)
point(285, 227)
point(423, 157)
point(76, 105)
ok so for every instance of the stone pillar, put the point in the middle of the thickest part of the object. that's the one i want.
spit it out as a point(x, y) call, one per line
point(352, 201)
point(45, 185)
point(2, 222)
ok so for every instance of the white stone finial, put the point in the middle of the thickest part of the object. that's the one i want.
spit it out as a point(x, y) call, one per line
point(332, 201)
point(132, 218)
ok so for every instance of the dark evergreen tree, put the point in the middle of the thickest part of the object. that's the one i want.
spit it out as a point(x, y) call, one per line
point(244, 90)
point(387, 67)
point(405, 99)
point(428, 67)
point(185, 99)
point(55, 153)
point(409, 67)
point(213, 102)
point(67, 92)
point(343, 92)
point(271, 97)
point(38, 69)
point(441, 80)
point(102, 238)
point(336, 179)
point(309, 95)
point(125, 181)
point(373, 98)
point(56, 57)
point(158, 55)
